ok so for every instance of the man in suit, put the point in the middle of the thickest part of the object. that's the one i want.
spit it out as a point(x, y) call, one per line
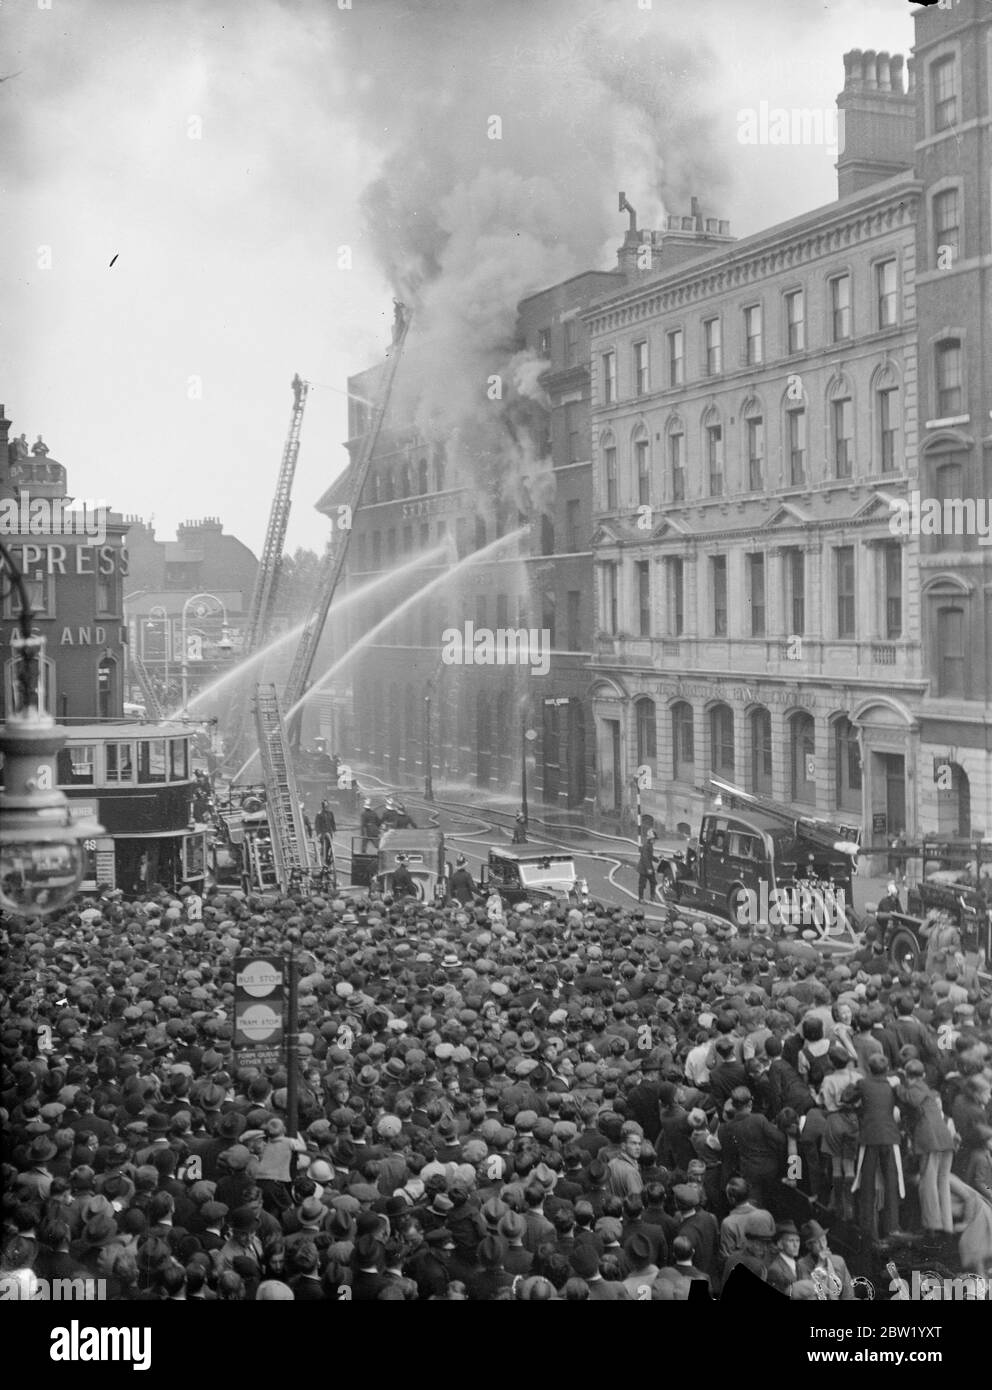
point(827, 1271)
point(699, 1228)
point(783, 1268)
point(878, 1148)
point(753, 1145)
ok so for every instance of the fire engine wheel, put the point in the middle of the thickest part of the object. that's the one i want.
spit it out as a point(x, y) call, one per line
point(904, 950)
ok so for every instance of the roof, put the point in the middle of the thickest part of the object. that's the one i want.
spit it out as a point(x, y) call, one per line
point(129, 728)
point(529, 856)
point(410, 839)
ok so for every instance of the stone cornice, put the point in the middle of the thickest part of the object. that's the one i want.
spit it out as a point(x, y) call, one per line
point(769, 253)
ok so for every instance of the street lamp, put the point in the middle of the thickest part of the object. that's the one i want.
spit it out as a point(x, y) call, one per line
point(41, 849)
point(529, 736)
point(202, 612)
point(428, 752)
point(164, 620)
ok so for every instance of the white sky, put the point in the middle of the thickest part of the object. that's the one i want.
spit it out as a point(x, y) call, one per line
point(226, 246)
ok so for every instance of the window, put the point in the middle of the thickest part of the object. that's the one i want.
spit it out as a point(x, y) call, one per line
point(39, 590)
point(151, 760)
point(120, 762)
point(795, 318)
point(843, 430)
point(376, 550)
point(386, 486)
point(676, 596)
point(950, 652)
point(360, 544)
point(610, 469)
point(802, 757)
point(946, 228)
point(714, 458)
point(840, 307)
point(641, 378)
point(642, 579)
point(424, 535)
point(573, 599)
point(549, 615)
point(442, 530)
point(756, 593)
point(713, 347)
point(647, 740)
point(407, 540)
point(950, 398)
point(547, 534)
point(796, 429)
point(847, 766)
point(949, 481)
point(105, 587)
point(683, 743)
point(892, 580)
point(480, 533)
point(609, 377)
point(943, 94)
point(610, 621)
point(391, 543)
point(753, 350)
point(544, 342)
point(676, 463)
point(571, 342)
point(844, 572)
point(719, 574)
point(761, 752)
point(439, 474)
point(576, 430)
point(722, 741)
point(888, 427)
point(676, 357)
point(178, 760)
point(76, 766)
point(886, 294)
point(755, 453)
point(796, 581)
point(642, 467)
point(572, 524)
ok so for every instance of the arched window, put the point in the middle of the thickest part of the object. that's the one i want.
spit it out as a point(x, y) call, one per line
point(386, 485)
point(802, 758)
point(950, 652)
point(888, 420)
point(641, 454)
point(404, 481)
point(438, 472)
point(647, 740)
point(847, 766)
point(840, 406)
point(576, 753)
point(948, 485)
point(948, 378)
point(422, 482)
point(795, 427)
point(713, 452)
point(753, 416)
point(761, 752)
point(480, 533)
point(547, 534)
point(722, 760)
point(375, 488)
point(611, 499)
point(683, 743)
point(675, 462)
point(953, 801)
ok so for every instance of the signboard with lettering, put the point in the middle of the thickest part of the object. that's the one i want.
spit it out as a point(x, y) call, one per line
point(259, 992)
point(878, 823)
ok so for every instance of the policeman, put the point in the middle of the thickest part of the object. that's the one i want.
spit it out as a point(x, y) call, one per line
point(326, 828)
point(370, 825)
point(462, 885)
point(646, 873)
point(403, 883)
point(520, 830)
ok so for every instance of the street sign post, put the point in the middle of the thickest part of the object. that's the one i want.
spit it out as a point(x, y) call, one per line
point(259, 998)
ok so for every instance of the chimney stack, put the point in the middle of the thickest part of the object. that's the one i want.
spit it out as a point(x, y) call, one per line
point(877, 121)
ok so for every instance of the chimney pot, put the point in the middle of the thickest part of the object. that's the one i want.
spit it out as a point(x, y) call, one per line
point(895, 71)
point(694, 209)
point(724, 227)
point(688, 224)
point(910, 77)
point(852, 69)
point(871, 71)
point(884, 81)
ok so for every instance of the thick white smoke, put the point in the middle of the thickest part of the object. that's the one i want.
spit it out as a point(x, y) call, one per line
point(506, 130)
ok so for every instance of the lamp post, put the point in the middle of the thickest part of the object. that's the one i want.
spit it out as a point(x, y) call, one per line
point(201, 613)
point(528, 736)
point(428, 752)
point(164, 620)
point(41, 848)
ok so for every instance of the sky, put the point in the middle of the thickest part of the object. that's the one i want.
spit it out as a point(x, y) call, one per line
point(202, 197)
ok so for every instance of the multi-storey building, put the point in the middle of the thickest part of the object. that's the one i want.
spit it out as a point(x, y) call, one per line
point(474, 721)
point(760, 615)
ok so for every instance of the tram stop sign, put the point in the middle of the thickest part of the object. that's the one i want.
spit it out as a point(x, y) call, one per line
point(259, 997)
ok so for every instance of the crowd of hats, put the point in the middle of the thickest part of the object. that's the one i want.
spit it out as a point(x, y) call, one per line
point(450, 1067)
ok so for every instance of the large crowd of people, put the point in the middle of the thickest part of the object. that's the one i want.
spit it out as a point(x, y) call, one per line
point(562, 1104)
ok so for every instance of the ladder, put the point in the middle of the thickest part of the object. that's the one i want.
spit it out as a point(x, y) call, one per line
point(334, 558)
point(830, 834)
point(152, 702)
point(289, 840)
point(263, 596)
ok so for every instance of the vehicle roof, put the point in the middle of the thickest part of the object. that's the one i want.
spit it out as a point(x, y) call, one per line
point(757, 820)
point(521, 855)
point(122, 730)
point(410, 839)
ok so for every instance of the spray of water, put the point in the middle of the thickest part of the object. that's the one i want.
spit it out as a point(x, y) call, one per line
point(339, 606)
point(373, 632)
